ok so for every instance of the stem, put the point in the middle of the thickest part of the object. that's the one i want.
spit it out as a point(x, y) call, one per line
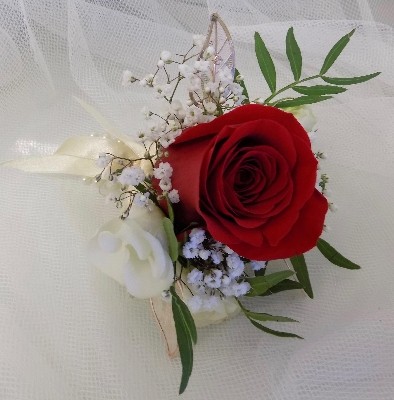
point(175, 88)
point(291, 85)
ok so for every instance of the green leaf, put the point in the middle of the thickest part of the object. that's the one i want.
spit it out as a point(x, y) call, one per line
point(172, 240)
point(349, 81)
point(336, 50)
point(293, 54)
point(319, 90)
point(301, 271)
point(186, 334)
point(273, 332)
point(260, 284)
point(265, 62)
point(299, 101)
point(170, 210)
point(334, 256)
point(286, 284)
point(267, 317)
point(244, 90)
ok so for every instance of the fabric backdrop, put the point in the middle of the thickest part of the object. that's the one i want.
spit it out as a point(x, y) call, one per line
point(69, 332)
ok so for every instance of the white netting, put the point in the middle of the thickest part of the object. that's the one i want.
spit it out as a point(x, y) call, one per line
point(69, 332)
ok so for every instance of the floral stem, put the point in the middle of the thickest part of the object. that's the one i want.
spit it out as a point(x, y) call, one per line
point(290, 86)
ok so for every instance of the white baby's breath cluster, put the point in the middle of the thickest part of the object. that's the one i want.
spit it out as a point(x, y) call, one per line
point(217, 271)
point(212, 91)
point(211, 87)
point(163, 173)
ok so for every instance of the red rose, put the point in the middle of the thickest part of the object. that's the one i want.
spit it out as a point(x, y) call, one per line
point(249, 178)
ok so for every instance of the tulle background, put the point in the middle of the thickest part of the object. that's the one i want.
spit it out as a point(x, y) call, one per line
point(69, 332)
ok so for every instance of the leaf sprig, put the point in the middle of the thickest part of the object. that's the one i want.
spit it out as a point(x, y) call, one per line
point(310, 94)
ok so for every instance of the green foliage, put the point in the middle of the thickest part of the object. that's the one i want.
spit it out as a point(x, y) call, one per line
point(255, 316)
point(319, 90)
point(302, 274)
point(274, 332)
point(173, 248)
point(285, 285)
point(300, 101)
point(350, 81)
point(170, 210)
point(311, 94)
point(293, 54)
point(334, 256)
point(265, 62)
point(186, 334)
point(335, 52)
point(260, 284)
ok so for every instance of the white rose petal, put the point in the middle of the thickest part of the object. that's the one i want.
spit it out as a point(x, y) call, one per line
point(134, 253)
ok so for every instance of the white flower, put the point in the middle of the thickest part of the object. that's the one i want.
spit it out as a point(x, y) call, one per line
point(210, 107)
point(193, 115)
point(235, 265)
point(134, 253)
point(217, 257)
point(305, 116)
point(142, 200)
point(258, 265)
point(166, 56)
point(103, 160)
point(226, 280)
point(201, 65)
point(197, 235)
point(165, 184)
point(209, 52)
point(213, 279)
point(190, 250)
point(149, 80)
point(195, 277)
point(240, 289)
point(173, 196)
point(127, 78)
point(211, 87)
point(204, 254)
point(194, 83)
point(186, 70)
point(131, 176)
point(163, 90)
point(228, 250)
point(164, 170)
point(225, 76)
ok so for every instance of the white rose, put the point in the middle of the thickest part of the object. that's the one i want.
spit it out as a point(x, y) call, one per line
point(304, 115)
point(134, 252)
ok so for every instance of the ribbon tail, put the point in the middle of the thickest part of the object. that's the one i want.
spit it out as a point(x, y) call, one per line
point(76, 156)
point(162, 312)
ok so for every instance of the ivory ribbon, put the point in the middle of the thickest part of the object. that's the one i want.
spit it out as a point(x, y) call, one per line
point(76, 156)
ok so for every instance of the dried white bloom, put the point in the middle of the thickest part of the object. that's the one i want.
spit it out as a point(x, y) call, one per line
point(165, 56)
point(173, 196)
point(132, 176)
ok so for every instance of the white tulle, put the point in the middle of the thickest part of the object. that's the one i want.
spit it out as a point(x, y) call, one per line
point(69, 332)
